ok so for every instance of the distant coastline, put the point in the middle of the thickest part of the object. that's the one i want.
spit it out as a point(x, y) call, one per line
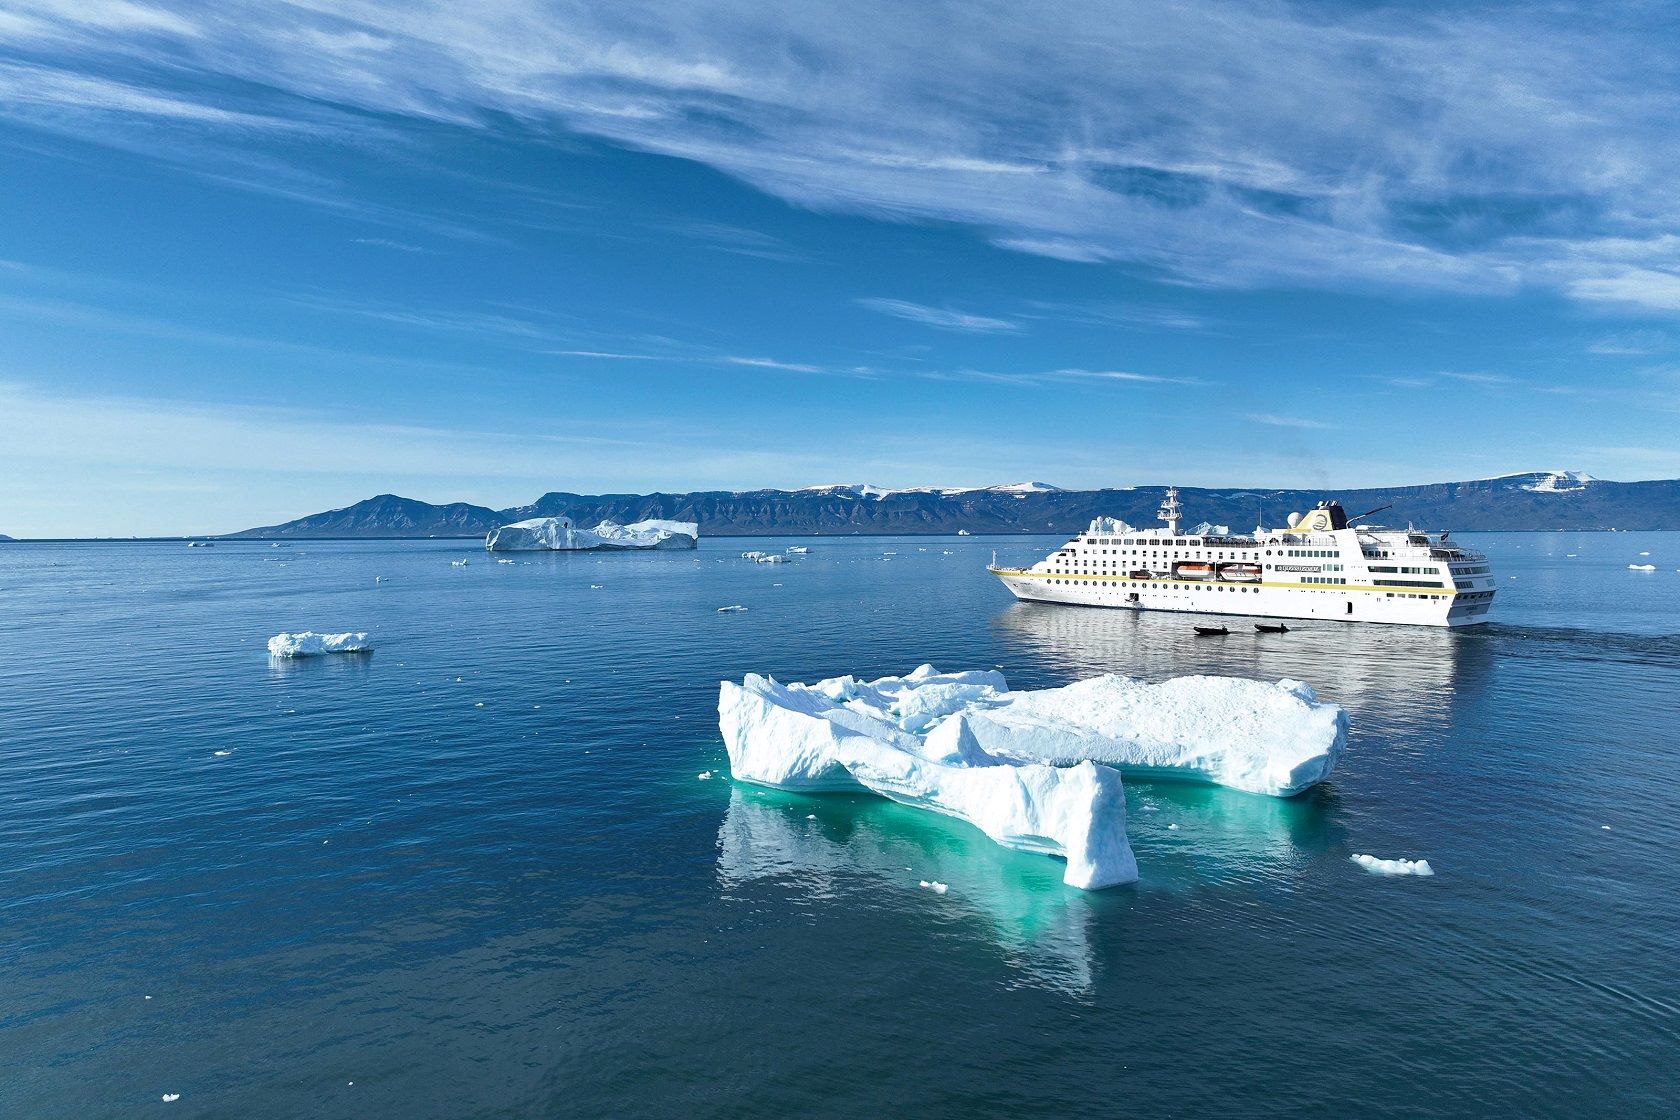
point(1537, 501)
point(1540, 501)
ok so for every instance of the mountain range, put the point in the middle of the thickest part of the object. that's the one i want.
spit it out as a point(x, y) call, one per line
point(1535, 500)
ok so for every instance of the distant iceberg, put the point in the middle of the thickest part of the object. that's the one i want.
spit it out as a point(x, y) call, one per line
point(818, 738)
point(310, 644)
point(559, 534)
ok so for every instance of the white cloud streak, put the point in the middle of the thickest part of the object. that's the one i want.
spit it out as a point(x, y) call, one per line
point(940, 317)
point(1219, 142)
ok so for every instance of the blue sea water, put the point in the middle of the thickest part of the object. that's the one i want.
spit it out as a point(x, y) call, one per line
point(476, 874)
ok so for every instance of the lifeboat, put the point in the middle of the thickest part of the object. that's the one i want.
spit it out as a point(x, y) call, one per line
point(1240, 572)
point(1193, 569)
point(1142, 573)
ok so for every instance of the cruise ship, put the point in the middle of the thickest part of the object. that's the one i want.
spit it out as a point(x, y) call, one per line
point(1320, 567)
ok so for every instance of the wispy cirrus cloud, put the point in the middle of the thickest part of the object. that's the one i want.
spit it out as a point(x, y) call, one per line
point(772, 363)
point(941, 317)
point(1218, 143)
point(1273, 420)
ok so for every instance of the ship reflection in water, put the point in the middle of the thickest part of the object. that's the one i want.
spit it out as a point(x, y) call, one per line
point(1405, 679)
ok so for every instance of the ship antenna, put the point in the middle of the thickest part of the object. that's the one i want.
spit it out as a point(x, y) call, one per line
point(1170, 510)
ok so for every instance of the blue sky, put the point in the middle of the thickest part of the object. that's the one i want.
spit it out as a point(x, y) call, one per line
point(259, 260)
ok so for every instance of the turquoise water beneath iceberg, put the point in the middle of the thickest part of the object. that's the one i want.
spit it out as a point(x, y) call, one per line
point(476, 874)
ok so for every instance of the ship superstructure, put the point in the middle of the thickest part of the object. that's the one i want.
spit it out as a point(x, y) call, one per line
point(1317, 567)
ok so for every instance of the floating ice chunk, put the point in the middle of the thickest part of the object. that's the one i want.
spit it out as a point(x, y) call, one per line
point(1644, 554)
point(797, 550)
point(171, 1097)
point(219, 754)
point(733, 608)
point(1393, 866)
point(457, 563)
point(310, 644)
point(1642, 567)
point(934, 885)
point(773, 558)
point(704, 775)
point(807, 739)
point(560, 534)
point(503, 560)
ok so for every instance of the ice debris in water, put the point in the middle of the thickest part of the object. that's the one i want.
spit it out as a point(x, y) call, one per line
point(170, 1097)
point(309, 644)
point(1393, 866)
point(457, 563)
point(1642, 567)
point(735, 608)
point(934, 885)
point(800, 737)
point(222, 754)
point(704, 775)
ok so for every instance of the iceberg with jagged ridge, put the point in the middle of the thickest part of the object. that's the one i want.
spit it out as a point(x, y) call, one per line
point(559, 534)
point(818, 738)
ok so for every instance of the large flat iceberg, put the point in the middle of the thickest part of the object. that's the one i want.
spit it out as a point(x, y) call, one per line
point(843, 735)
point(1258, 736)
point(310, 644)
point(559, 534)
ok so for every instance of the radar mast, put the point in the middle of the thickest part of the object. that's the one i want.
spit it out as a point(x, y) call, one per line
point(1170, 509)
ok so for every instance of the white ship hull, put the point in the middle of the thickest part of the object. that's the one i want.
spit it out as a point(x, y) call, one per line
point(1318, 567)
point(1256, 600)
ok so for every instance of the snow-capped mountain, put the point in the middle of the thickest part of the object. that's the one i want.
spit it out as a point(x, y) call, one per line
point(1529, 500)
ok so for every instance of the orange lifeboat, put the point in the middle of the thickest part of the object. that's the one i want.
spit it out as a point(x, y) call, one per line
point(1193, 569)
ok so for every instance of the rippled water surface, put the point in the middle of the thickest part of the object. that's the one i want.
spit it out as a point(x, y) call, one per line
point(475, 873)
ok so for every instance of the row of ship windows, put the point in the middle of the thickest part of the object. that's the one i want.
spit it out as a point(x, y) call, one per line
point(1408, 571)
point(1321, 579)
point(1169, 586)
point(1478, 570)
point(1414, 595)
point(1305, 552)
point(1475, 595)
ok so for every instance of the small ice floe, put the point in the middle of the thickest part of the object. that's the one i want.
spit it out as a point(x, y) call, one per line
point(797, 550)
point(809, 817)
point(1172, 828)
point(379, 579)
point(1605, 827)
point(773, 558)
point(1642, 567)
point(310, 644)
point(503, 560)
point(733, 608)
point(1393, 866)
point(704, 775)
point(934, 885)
point(596, 586)
point(218, 754)
point(171, 1097)
point(457, 563)
point(753, 554)
point(1644, 554)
